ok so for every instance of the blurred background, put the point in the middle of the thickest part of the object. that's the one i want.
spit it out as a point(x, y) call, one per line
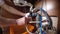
point(51, 6)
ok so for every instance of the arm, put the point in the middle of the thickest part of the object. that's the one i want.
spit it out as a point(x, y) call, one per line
point(7, 22)
point(11, 22)
point(10, 9)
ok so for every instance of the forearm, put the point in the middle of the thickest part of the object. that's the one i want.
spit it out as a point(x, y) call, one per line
point(11, 22)
point(7, 22)
point(12, 10)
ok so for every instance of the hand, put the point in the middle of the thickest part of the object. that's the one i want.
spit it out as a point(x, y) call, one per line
point(23, 20)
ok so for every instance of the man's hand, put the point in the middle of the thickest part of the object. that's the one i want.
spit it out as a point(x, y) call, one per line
point(20, 21)
point(23, 20)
